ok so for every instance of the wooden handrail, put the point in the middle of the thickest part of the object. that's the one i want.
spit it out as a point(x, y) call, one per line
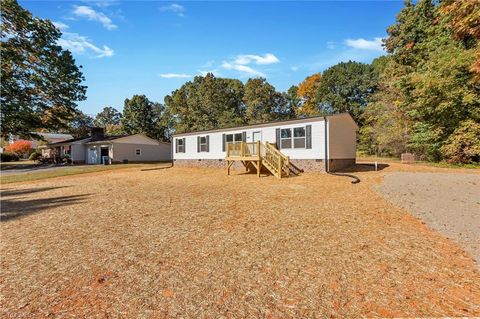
point(277, 162)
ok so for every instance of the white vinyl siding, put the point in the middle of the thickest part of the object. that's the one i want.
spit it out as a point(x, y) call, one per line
point(268, 134)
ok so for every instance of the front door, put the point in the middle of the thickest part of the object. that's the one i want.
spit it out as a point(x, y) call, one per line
point(256, 136)
point(92, 156)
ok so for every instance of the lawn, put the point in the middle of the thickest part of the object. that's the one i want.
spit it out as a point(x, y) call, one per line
point(70, 170)
point(195, 243)
point(18, 164)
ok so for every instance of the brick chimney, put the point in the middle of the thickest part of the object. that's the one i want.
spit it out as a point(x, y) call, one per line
point(97, 133)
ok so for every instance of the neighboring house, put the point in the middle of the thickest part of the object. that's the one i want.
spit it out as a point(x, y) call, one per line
point(99, 148)
point(309, 143)
point(47, 138)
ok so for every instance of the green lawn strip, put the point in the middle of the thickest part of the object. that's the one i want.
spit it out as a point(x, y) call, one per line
point(372, 159)
point(448, 165)
point(19, 164)
point(377, 159)
point(74, 170)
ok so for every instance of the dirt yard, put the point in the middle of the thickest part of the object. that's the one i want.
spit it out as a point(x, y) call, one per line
point(195, 243)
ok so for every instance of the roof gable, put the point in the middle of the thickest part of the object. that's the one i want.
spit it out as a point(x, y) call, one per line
point(136, 139)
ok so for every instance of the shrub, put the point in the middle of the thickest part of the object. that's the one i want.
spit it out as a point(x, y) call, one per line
point(35, 156)
point(9, 157)
point(20, 147)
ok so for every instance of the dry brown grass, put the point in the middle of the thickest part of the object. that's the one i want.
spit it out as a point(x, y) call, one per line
point(194, 243)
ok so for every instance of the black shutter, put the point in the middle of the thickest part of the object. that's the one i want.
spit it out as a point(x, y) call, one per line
point(208, 143)
point(308, 135)
point(176, 145)
point(277, 137)
point(224, 139)
point(184, 144)
point(244, 136)
point(198, 144)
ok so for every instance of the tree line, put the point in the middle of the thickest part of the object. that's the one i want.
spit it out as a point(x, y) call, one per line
point(423, 96)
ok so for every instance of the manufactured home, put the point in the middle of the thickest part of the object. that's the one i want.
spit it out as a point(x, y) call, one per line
point(99, 148)
point(321, 143)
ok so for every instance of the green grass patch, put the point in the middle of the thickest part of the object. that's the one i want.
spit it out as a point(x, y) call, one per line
point(372, 159)
point(448, 165)
point(19, 164)
point(70, 170)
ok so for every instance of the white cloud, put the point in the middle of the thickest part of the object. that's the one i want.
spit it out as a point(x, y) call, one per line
point(294, 68)
point(175, 75)
point(242, 68)
point(241, 63)
point(362, 44)
point(60, 25)
point(103, 3)
point(244, 59)
point(82, 45)
point(175, 8)
point(91, 14)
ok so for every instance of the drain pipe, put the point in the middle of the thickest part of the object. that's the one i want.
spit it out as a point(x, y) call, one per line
point(356, 180)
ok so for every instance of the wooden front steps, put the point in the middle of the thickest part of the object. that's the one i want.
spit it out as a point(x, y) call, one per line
point(259, 155)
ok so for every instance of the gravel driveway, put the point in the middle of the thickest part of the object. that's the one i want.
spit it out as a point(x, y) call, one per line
point(449, 203)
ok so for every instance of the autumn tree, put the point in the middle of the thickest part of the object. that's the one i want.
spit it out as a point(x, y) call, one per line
point(207, 102)
point(20, 147)
point(108, 116)
point(428, 91)
point(307, 92)
point(140, 115)
point(262, 102)
point(40, 81)
point(346, 88)
point(386, 127)
point(292, 101)
point(463, 18)
point(81, 125)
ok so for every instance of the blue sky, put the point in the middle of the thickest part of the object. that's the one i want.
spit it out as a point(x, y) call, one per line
point(153, 47)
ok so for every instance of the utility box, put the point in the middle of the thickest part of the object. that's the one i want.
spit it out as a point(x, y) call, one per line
point(408, 158)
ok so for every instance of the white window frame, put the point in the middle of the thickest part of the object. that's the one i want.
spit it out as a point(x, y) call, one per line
point(203, 145)
point(285, 138)
point(300, 138)
point(292, 137)
point(139, 152)
point(180, 146)
point(234, 140)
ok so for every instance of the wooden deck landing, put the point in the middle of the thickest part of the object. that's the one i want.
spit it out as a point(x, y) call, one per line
point(258, 155)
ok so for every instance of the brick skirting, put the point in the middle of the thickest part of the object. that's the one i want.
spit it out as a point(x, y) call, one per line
point(308, 165)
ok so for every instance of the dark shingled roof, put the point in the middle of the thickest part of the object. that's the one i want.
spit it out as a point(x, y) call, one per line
point(89, 139)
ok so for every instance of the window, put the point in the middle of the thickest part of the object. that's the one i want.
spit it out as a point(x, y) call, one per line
point(180, 145)
point(298, 139)
point(286, 138)
point(203, 144)
point(138, 152)
point(233, 138)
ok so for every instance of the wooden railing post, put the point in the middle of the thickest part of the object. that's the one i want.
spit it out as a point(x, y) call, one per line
point(279, 166)
point(288, 166)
